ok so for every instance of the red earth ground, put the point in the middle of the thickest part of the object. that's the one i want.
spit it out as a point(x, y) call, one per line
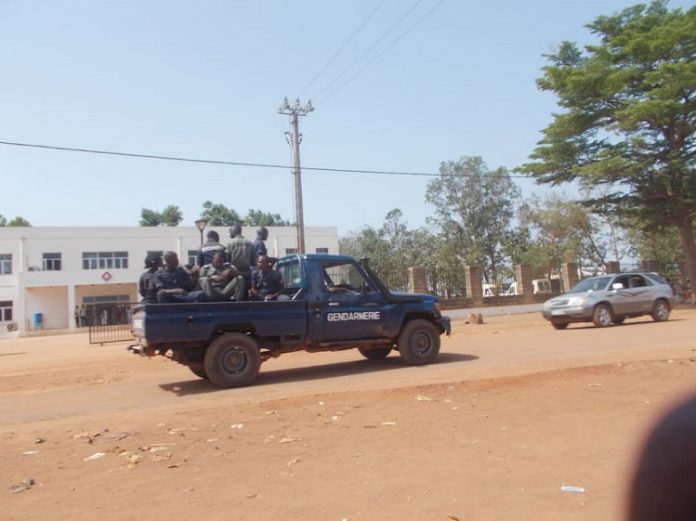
point(512, 411)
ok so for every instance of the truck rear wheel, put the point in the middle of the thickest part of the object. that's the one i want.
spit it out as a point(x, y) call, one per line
point(376, 353)
point(419, 342)
point(232, 360)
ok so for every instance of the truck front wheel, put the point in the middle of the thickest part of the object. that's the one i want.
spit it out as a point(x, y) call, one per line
point(419, 342)
point(232, 360)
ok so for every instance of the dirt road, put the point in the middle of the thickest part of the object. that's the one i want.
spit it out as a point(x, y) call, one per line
point(511, 412)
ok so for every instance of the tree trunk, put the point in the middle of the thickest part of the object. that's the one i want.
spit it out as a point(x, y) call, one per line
point(686, 234)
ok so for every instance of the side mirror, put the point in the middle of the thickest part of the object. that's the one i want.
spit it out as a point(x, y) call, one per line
point(617, 285)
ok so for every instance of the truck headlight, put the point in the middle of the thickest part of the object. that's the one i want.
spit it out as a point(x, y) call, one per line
point(576, 301)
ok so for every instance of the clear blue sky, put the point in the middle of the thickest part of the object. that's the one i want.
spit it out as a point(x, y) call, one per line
point(205, 79)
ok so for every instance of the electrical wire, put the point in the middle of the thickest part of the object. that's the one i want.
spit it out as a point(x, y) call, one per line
point(230, 163)
point(394, 42)
point(369, 49)
point(350, 39)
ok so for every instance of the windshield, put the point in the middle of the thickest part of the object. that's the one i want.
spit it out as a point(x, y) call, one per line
point(593, 284)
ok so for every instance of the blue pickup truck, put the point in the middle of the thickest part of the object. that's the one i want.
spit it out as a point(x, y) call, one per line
point(335, 303)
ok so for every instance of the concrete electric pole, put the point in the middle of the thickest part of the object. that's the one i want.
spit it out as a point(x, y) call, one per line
point(294, 138)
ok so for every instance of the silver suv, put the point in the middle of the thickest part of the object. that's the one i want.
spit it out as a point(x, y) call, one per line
point(610, 299)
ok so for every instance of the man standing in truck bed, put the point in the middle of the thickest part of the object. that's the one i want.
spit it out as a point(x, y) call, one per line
point(240, 253)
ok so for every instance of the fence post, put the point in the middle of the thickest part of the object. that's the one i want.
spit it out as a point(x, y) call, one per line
point(569, 275)
point(474, 286)
point(416, 280)
point(612, 266)
point(523, 276)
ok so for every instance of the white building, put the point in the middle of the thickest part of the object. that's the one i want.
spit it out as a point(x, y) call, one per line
point(46, 273)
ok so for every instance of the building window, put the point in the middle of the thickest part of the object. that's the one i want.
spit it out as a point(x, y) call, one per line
point(290, 251)
point(322, 250)
point(5, 263)
point(105, 260)
point(52, 262)
point(5, 311)
point(192, 257)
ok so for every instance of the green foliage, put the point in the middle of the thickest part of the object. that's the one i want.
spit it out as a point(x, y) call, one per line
point(170, 216)
point(392, 248)
point(219, 215)
point(260, 218)
point(628, 117)
point(17, 221)
point(561, 231)
point(474, 207)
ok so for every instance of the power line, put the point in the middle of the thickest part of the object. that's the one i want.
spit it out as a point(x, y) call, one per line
point(374, 44)
point(394, 42)
point(230, 163)
point(350, 39)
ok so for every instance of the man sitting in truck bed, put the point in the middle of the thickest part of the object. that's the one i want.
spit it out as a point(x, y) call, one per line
point(220, 281)
point(174, 284)
point(266, 283)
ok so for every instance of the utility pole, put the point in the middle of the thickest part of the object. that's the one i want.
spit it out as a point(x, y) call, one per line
point(294, 138)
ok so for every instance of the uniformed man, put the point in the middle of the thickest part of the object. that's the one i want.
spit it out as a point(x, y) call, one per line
point(174, 283)
point(220, 281)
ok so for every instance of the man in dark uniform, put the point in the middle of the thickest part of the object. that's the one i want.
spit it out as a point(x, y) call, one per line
point(146, 284)
point(266, 283)
point(174, 283)
point(259, 243)
point(209, 248)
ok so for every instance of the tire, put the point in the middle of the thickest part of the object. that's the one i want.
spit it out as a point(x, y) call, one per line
point(232, 360)
point(419, 342)
point(619, 320)
point(193, 359)
point(660, 310)
point(560, 325)
point(602, 315)
point(376, 353)
point(199, 371)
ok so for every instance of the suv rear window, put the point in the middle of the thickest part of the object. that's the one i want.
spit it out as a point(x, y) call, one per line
point(655, 278)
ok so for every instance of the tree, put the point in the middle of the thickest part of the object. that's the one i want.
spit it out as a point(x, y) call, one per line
point(170, 216)
point(260, 218)
point(17, 221)
point(562, 231)
point(473, 209)
point(219, 215)
point(628, 118)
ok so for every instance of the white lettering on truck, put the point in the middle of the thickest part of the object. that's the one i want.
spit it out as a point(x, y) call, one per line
point(344, 317)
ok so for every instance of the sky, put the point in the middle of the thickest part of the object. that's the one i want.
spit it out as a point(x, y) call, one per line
point(397, 85)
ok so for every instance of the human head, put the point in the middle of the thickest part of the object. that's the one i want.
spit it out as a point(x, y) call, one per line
point(235, 230)
point(153, 260)
point(218, 259)
point(212, 235)
point(171, 259)
point(262, 263)
point(262, 233)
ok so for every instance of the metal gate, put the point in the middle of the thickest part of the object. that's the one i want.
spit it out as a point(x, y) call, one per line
point(110, 323)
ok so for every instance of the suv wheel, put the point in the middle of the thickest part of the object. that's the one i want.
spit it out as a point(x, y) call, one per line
point(602, 315)
point(660, 311)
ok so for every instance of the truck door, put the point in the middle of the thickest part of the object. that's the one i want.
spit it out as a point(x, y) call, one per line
point(344, 305)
